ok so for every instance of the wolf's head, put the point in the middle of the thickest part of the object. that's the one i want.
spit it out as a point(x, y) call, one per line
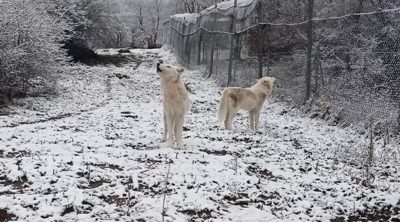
point(169, 72)
point(267, 82)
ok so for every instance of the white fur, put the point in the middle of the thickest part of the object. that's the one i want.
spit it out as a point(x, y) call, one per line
point(250, 99)
point(175, 102)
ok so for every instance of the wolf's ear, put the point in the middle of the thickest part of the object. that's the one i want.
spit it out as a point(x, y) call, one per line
point(267, 83)
point(180, 73)
point(180, 70)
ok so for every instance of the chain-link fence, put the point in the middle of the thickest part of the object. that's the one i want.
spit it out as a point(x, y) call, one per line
point(353, 56)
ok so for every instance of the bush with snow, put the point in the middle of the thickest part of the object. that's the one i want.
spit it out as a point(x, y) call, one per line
point(31, 36)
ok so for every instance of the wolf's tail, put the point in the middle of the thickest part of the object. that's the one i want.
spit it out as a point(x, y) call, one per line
point(223, 108)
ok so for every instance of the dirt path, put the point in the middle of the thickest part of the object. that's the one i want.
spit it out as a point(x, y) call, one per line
point(106, 81)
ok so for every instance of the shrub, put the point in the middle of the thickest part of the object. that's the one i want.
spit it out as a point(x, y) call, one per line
point(31, 36)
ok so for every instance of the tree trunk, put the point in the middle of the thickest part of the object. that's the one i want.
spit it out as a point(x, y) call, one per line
point(398, 120)
point(309, 49)
point(233, 37)
point(261, 40)
point(213, 43)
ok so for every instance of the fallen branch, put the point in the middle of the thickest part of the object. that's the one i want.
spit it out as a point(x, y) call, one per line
point(165, 191)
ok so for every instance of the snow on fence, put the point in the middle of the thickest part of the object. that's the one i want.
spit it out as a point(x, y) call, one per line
point(352, 60)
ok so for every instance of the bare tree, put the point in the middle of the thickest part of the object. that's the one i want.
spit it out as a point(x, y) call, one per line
point(148, 18)
point(155, 19)
point(195, 6)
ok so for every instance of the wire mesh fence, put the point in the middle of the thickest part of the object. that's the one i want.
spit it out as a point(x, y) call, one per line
point(354, 53)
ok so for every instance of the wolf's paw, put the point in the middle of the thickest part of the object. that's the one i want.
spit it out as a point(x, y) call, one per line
point(170, 143)
point(179, 145)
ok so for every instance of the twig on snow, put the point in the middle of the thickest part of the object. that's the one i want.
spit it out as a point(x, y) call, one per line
point(165, 192)
point(130, 186)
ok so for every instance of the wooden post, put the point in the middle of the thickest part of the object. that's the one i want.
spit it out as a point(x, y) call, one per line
point(260, 39)
point(309, 48)
point(199, 39)
point(188, 45)
point(268, 31)
point(171, 33)
point(317, 72)
point(176, 36)
point(203, 47)
point(233, 37)
point(216, 67)
point(398, 120)
point(213, 43)
point(189, 51)
point(205, 54)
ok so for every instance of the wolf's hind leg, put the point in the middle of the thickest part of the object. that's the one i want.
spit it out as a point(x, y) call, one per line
point(229, 118)
point(251, 119)
point(256, 118)
point(165, 127)
point(178, 133)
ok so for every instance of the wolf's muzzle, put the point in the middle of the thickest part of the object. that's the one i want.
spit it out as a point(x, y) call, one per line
point(158, 68)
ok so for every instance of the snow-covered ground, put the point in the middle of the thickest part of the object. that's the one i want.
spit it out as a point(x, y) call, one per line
point(94, 153)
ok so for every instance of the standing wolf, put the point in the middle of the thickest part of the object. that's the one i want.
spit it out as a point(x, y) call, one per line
point(250, 99)
point(175, 102)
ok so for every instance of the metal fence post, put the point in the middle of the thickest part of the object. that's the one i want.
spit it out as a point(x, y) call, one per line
point(309, 48)
point(232, 43)
point(188, 44)
point(268, 31)
point(199, 39)
point(171, 34)
point(213, 42)
point(261, 39)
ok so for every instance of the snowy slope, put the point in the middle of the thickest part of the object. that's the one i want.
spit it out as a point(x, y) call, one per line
point(97, 155)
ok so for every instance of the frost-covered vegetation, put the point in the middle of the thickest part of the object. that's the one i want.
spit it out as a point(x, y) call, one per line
point(31, 37)
point(85, 141)
point(96, 153)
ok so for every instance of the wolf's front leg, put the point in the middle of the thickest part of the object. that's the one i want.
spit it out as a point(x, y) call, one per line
point(251, 119)
point(256, 119)
point(170, 131)
point(165, 127)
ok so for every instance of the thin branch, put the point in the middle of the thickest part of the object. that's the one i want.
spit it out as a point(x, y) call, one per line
point(165, 191)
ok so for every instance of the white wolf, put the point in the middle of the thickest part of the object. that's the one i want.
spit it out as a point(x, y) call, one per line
point(175, 102)
point(250, 99)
